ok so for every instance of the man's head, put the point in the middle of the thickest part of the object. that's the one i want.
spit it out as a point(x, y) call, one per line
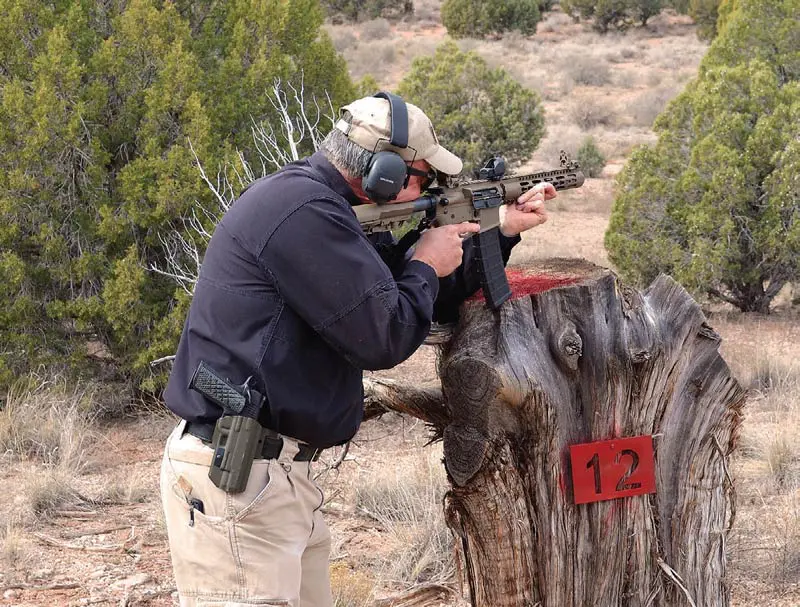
point(364, 129)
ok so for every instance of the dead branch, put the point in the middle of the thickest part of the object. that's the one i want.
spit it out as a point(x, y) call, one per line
point(51, 541)
point(37, 588)
point(417, 596)
point(382, 395)
point(75, 534)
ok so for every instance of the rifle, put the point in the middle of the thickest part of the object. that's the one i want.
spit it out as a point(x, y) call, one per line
point(478, 201)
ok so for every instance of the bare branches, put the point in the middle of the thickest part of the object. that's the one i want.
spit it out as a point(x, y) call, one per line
point(222, 189)
point(296, 123)
point(178, 249)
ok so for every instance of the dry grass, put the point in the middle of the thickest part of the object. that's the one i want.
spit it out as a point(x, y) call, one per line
point(588, 112)
point(376, 29)
point(427, 14)
point(47, 420)
point(773, 376)
point(553, 22)
point(46, 425)
point(376, 48)
point(123, 489)
point(351, 587)
point(50, 489)
point(406, 500)
point(15, 552)
point(650, 104)
point(589, 70)
point(765, 542)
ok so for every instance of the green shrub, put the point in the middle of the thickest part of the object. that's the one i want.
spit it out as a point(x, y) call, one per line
point(359, 10)
point(714, 202)
point(681, 6)
point(605, 13)
point(590, 159)
point(480, 18)
point(704, 13)
point(644, 9)
point(476, 110)
point(617, 14)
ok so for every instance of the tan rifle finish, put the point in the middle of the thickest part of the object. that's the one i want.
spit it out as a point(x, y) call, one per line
point(462, 202)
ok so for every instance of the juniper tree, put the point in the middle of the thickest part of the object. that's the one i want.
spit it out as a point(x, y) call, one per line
point(704, 13)
point(477, 110)
point(716, 201)
point(480, 18)
point(604, 13)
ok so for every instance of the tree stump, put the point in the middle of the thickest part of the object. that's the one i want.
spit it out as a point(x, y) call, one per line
point(577, 357)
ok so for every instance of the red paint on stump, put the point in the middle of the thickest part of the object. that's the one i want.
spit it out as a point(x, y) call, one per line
point(522, 283)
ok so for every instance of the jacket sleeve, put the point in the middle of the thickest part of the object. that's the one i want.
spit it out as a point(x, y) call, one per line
point(465, 281)
point(326, 269)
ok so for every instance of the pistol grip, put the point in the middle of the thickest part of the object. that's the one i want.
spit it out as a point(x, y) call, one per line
point(493, 272)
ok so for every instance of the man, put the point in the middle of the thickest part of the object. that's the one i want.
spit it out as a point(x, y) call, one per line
point(294, 296)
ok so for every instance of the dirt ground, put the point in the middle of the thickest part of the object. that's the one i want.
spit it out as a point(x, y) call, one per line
point(106, 544)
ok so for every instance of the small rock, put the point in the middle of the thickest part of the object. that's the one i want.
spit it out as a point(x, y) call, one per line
point(41, 574)
point(11, 593)
point(134, 580)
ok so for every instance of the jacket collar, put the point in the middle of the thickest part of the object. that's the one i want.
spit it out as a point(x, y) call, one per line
point(332, 177)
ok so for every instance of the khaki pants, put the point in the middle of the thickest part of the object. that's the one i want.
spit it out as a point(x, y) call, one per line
point(265, 546)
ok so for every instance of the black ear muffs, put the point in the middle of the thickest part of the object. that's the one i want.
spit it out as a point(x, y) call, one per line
point(385, 177)
point(387, 171)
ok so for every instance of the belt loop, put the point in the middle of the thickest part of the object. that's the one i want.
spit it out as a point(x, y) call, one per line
point(289, 450)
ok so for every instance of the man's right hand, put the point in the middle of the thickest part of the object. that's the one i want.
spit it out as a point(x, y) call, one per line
point(441, 248)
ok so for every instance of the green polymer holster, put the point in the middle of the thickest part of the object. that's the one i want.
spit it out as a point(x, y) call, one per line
point(238, 436)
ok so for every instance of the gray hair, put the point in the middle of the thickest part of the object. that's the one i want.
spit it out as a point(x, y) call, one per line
point(345, 154)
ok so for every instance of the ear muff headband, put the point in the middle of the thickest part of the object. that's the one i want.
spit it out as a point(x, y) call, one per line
point(398, 119)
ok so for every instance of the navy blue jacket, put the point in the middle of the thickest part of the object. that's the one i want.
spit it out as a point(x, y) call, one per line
point(292, 293)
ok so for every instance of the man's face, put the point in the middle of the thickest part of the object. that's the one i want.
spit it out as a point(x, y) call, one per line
point(416, 183)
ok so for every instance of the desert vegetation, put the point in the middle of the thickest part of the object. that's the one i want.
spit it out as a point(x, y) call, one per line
point(103, 141)
point(716, 195)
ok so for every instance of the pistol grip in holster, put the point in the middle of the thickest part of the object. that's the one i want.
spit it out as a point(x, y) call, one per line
point(493, 271)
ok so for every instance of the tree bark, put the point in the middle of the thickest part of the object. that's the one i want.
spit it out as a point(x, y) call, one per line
point(577, 357)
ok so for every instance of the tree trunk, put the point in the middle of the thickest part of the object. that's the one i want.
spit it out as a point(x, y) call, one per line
point(577, 357)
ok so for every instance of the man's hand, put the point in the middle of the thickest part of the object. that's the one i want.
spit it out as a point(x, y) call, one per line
point(441, 249)
point(528, 212)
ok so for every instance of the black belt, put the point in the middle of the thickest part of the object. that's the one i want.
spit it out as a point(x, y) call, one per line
point(271, 449)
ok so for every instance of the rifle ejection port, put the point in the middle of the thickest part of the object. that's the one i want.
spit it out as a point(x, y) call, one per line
point(486, 198)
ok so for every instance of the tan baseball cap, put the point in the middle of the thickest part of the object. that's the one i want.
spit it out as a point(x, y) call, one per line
point(370, 128)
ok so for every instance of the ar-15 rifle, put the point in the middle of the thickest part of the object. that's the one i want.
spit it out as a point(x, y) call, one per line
point(477, 201)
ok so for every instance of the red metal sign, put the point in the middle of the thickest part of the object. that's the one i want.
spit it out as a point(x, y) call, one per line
point(609, 469)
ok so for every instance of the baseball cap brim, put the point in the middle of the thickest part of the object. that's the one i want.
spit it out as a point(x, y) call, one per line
point(445, 161)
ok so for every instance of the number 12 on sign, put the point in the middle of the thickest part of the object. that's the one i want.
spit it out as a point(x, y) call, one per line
point(606, 470)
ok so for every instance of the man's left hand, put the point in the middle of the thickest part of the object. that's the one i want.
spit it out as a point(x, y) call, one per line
point(529, 210)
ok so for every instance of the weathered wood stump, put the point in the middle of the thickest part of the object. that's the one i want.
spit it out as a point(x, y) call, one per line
point(578, 357)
